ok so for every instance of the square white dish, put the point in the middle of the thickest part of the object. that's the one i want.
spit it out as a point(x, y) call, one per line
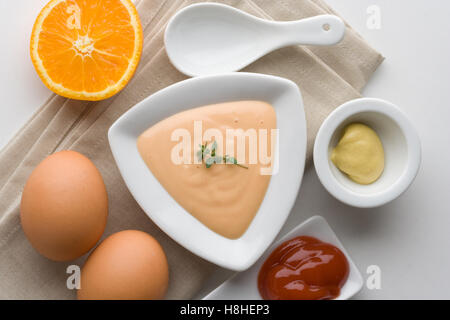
point(174, 220)
point(244, 285)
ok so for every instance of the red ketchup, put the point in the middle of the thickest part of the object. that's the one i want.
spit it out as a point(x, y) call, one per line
point(303, 268)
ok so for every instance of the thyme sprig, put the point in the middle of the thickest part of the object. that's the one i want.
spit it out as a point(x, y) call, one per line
point(210, 157)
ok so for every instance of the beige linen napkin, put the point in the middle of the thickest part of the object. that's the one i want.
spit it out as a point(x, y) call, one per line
point(327, 76)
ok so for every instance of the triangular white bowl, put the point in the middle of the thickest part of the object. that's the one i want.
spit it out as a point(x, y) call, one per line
point(174, 220)
point(244, 285)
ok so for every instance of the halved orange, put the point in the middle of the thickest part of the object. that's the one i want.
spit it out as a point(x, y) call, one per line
point(86, 49)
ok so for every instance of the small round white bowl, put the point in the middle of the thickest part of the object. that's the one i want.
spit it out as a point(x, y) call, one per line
point(401, 148)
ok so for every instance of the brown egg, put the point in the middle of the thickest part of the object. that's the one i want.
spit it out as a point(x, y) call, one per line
point(64, 206)
point(127, 265)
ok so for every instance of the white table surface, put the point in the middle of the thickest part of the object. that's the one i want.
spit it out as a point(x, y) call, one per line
point(408, 238)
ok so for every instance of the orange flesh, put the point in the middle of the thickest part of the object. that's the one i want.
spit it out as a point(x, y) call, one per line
point(87, 47)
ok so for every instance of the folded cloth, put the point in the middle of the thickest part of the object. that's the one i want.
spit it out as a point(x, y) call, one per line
point(327, 77)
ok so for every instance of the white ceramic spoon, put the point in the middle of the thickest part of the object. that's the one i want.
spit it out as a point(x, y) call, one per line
point(211, 38)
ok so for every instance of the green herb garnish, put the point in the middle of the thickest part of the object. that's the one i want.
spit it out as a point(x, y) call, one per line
point(202, 152)
point(213, 158)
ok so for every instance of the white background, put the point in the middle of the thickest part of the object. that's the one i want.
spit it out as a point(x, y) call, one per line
point(408, 238)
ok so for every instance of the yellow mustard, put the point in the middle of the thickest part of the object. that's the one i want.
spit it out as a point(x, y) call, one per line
point(359, 154)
